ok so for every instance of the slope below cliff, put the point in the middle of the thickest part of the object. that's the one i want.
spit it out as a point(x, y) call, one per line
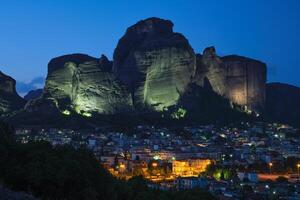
point(283, 103)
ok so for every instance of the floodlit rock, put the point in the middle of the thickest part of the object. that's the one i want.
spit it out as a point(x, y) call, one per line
point(84, 84)
point(246, 80)
point(9, 99)
point(242, 80)
point(154, 63)
point(210, 70)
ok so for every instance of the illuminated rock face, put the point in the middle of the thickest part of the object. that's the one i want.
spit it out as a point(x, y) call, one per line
point(242, 80)
point(154, 63)
point(246, 80)
point(85, 84)
point(9, 99)
point(210, 70)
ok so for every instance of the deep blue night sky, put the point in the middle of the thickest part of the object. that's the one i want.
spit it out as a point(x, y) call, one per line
point(34, 31)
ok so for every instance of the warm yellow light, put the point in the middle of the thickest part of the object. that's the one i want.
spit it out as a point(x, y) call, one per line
point(298, 165)
point(154, 164)
point(122, 166)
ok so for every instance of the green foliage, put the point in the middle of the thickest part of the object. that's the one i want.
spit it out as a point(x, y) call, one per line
point(55, 173)
point(179, 113)
point(219, 173)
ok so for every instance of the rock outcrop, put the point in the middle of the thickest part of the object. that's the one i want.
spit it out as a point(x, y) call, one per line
point(9, 99)
point(283, 103)
point(154, 63)
point(210, 70)
point(85, 84)
point(246, 80)
point(153, 70)
point(242, 80)
point(33, 94)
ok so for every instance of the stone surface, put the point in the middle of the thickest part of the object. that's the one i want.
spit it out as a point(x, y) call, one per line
point(154, 63)
point(85, 84)
point(33, 94)
point(246, 80)
point(9, 99)
point(242, 80)
point(210, 70)
point(153, 68)
point(283, 103)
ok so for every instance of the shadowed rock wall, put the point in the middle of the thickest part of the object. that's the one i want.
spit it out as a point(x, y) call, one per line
point(9, 99)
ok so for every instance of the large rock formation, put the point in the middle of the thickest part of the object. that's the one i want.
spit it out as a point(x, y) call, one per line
point(153, 69)
point(155, 63)
point(242, 80)
point(210, 70)
point(9, 99)
point(246, 80)
point(85, 84)
point(283, 103)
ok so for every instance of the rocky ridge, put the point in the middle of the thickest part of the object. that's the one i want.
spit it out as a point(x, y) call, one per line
point(153, 67)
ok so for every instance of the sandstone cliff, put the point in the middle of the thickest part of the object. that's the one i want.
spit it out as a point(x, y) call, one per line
point(9, 99)
point(154, 63)
point(242, 80)
point(153, 69)
point(210, 70)
point(85, 84)
point(246, 79)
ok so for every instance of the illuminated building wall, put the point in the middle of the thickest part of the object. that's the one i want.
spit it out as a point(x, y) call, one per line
point(191, 167)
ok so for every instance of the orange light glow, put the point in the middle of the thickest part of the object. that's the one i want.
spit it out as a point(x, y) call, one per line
point(271, 164)
point(154, 164)
point(122, 166)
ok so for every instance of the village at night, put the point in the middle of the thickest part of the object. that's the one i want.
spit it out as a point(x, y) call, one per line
point(143, 100)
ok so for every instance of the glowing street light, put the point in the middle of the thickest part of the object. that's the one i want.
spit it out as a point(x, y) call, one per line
point(298, 167)
point(270, 167)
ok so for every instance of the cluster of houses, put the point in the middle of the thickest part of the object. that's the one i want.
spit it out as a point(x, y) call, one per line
point(258, 159)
